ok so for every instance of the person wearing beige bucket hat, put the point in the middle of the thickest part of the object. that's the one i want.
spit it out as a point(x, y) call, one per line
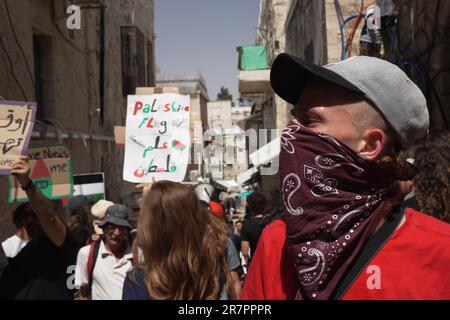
point(98, 211)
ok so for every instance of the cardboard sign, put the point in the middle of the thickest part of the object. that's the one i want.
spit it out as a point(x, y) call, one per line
point(51, 172)
point(157, 138)
point(142, 91)
point(16, 127)
point(91, 184)
point(119, 135)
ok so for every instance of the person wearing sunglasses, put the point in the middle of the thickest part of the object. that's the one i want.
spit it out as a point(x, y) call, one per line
point(102, 265)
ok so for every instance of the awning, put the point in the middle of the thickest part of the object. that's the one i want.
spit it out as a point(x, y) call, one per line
point(229, 185)
point(251, 117)
point(266, 153)
point(254, 82)
point(245, 176)
point(260, 158)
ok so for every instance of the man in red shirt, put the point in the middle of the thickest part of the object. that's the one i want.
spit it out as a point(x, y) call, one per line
point(412, 265)
point(341, 162)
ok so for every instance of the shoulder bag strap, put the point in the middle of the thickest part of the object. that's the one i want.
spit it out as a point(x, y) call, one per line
point(376, 242)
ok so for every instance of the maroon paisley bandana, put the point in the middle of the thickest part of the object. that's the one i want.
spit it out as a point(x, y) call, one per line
point(333, 200)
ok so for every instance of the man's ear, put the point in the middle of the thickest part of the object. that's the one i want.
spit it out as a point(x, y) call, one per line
point(374, 143)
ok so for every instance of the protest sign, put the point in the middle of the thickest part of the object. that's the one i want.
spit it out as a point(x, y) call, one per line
point(51, 172)
point(142, 91)
point(157, 138)
point(16, 127)
point(119, 136)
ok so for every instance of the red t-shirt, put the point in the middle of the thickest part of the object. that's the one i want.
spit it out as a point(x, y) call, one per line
point(413, 264)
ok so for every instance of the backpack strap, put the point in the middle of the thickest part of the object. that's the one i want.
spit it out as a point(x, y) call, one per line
point(93, 254)
point(370, 250)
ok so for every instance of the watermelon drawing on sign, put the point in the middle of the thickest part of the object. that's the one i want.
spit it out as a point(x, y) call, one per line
point(178, 145)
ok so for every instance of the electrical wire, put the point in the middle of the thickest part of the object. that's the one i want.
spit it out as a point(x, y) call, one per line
point(341, 28)
point(12, 70)
point(347, 38)
point(420, 71)
point(18, 43)
point(355, 26)
point(352, 34)
point(341, 17)
point(423, 70)
point(406, 58)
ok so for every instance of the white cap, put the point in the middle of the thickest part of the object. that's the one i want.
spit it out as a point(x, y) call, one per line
point(98, 210)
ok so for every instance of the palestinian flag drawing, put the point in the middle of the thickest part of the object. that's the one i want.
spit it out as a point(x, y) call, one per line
point(178, 145)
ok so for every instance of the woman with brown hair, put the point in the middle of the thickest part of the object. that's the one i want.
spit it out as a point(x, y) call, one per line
point(432, 183)
point(184, 248)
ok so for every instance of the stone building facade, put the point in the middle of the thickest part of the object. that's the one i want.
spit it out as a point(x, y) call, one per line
point(311, 30)
point(80, 78)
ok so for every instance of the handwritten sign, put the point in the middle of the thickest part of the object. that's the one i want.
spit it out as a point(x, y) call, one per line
point(157, 138)
point(16, 126)
point(51, 172)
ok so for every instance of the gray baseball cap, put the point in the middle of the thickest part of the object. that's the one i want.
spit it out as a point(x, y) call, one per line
point(116, 214)
point(396, 97)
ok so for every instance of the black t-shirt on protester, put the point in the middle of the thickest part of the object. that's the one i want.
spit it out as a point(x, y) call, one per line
point(39, 271)
point(82, 234)
point(251, 231)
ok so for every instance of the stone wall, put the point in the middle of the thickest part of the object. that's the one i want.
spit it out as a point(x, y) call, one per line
point(70, 78)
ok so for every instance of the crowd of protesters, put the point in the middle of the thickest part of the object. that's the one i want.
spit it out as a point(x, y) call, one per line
point(344, 176)
point(87, 251)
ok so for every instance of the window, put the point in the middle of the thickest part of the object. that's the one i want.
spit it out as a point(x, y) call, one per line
point(43, 75)
point(137, 60)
